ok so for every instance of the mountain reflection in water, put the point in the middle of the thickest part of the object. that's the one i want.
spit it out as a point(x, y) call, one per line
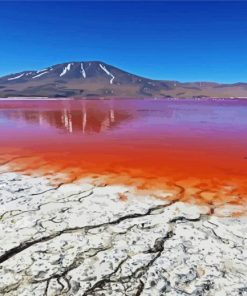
point(71, 116)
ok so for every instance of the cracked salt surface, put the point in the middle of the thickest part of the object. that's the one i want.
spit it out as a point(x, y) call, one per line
point(80, 239)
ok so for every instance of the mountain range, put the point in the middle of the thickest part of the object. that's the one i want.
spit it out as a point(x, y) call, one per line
point(98, 79)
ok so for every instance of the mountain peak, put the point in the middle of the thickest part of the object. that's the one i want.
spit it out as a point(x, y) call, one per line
point(99, 79)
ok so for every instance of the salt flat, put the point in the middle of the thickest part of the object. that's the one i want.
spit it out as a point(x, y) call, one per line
point(83, 239)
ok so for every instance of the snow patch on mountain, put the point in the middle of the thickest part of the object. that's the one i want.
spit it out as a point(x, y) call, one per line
point(41, 71)
point(83, 72)
point(66, 69)
point(107, 72)
point(16, 77)
point(36, 76)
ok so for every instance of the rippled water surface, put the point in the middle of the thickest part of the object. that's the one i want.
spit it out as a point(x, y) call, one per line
point(196, 146)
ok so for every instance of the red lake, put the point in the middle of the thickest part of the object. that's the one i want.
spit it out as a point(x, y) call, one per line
point(195, 149)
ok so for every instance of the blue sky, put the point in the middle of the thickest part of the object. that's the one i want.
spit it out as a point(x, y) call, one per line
point(186, 41)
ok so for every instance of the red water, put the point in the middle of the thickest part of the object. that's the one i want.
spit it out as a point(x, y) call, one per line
point(196, 149)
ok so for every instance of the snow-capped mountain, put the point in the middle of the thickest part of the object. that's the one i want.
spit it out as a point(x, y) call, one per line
point(66, 71)
point(75, 79)
point(95, 78)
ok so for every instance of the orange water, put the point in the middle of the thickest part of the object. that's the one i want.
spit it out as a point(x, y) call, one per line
point(195, 149)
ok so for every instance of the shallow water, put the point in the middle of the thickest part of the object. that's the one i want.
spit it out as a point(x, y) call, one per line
point(196, 149)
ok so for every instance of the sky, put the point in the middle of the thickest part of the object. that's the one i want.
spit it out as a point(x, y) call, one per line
point(185, 41)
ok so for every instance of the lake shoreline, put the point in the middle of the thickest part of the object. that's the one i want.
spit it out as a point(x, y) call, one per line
point(120, 98)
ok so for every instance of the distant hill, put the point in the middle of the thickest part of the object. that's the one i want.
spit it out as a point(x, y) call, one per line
point(98, 79)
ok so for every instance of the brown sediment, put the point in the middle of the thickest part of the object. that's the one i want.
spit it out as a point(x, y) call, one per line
point(123, 197)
